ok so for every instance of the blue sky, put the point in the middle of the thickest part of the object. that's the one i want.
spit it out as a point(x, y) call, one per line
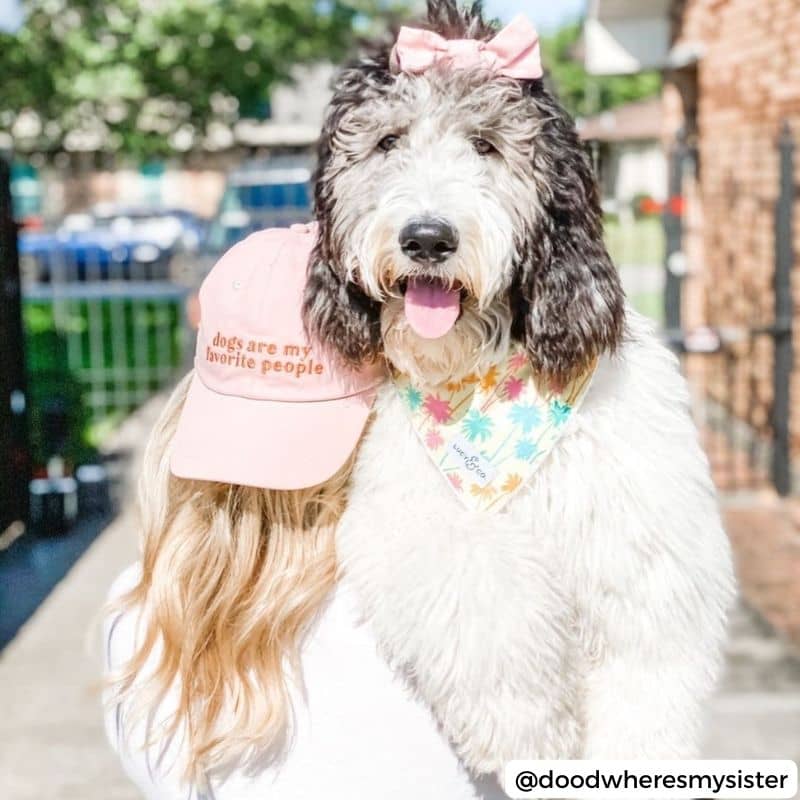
point(546, 14)
point(10, 15)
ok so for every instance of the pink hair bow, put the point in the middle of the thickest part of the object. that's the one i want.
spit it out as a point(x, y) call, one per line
point(513, 53)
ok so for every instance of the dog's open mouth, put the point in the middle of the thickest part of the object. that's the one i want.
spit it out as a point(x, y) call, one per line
point(432, 306)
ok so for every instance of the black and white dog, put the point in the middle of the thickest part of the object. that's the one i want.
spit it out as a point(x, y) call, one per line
point(459, 222)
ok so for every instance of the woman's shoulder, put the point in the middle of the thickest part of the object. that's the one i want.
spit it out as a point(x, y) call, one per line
point(125, 581)
point(156, 771)
point(119, 623)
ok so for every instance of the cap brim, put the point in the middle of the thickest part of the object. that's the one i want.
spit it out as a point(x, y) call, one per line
point(265, 443)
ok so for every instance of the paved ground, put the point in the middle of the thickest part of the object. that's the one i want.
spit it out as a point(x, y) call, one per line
point(53, 746)
point(756, 713)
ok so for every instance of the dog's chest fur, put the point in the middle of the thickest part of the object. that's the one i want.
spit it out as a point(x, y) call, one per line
point(498, 618)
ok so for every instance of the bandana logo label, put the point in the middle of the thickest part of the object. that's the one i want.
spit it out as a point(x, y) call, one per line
point(469, 459)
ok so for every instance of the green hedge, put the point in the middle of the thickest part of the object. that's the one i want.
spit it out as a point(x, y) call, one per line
point(90, 362)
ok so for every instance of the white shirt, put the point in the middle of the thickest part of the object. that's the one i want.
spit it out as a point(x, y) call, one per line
point(358, 731)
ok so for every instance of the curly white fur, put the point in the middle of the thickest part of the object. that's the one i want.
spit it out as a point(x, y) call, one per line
point(584, 620)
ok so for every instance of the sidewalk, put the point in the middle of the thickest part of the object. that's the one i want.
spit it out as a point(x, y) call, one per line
point(53, 744)
point(756, 713)
point(54, 748)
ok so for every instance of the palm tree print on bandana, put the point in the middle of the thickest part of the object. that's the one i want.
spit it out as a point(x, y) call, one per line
point(488, 433)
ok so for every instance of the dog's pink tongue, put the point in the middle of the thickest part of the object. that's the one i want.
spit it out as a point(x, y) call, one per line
point(431, 308)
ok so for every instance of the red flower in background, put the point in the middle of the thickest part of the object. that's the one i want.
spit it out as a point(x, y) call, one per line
point(650, 207)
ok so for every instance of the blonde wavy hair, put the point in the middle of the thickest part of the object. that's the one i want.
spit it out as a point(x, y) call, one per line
point(231, 577)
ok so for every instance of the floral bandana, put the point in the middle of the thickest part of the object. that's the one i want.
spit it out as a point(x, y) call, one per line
point(489, 433)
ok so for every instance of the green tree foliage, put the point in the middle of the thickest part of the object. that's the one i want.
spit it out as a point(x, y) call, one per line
point(134, 72)
point(585, 94)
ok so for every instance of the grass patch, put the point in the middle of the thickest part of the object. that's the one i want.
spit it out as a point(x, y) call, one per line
point(651, 304)
point(636, 241)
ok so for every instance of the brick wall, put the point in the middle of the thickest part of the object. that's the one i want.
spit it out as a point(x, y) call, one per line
point(745, 84)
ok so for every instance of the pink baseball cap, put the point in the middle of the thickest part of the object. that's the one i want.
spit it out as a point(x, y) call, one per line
point(266, 407)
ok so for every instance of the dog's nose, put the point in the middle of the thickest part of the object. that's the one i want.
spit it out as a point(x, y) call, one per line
point(429, 239)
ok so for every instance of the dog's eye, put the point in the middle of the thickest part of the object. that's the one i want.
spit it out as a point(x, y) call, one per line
point(482, 146)
point(388, 142)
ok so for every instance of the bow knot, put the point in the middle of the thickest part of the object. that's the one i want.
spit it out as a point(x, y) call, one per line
point(513, 53)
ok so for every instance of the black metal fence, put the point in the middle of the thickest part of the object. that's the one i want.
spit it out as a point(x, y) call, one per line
point(740, 376)
point(96, 350)
point(781, 466)
point(82, 343)
point(14, 450)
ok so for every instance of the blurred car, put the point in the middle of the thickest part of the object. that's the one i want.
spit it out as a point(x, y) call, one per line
point(261, 194)
point(111, 243)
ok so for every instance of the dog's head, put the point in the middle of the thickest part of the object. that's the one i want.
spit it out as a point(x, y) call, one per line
point(458, 212)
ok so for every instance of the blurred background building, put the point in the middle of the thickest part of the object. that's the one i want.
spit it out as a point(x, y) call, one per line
point(139, 139)
point(729, 126)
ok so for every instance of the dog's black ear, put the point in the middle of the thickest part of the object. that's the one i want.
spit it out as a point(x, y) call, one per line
point(567, 300)
point(336, 312)
point(338, 315)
